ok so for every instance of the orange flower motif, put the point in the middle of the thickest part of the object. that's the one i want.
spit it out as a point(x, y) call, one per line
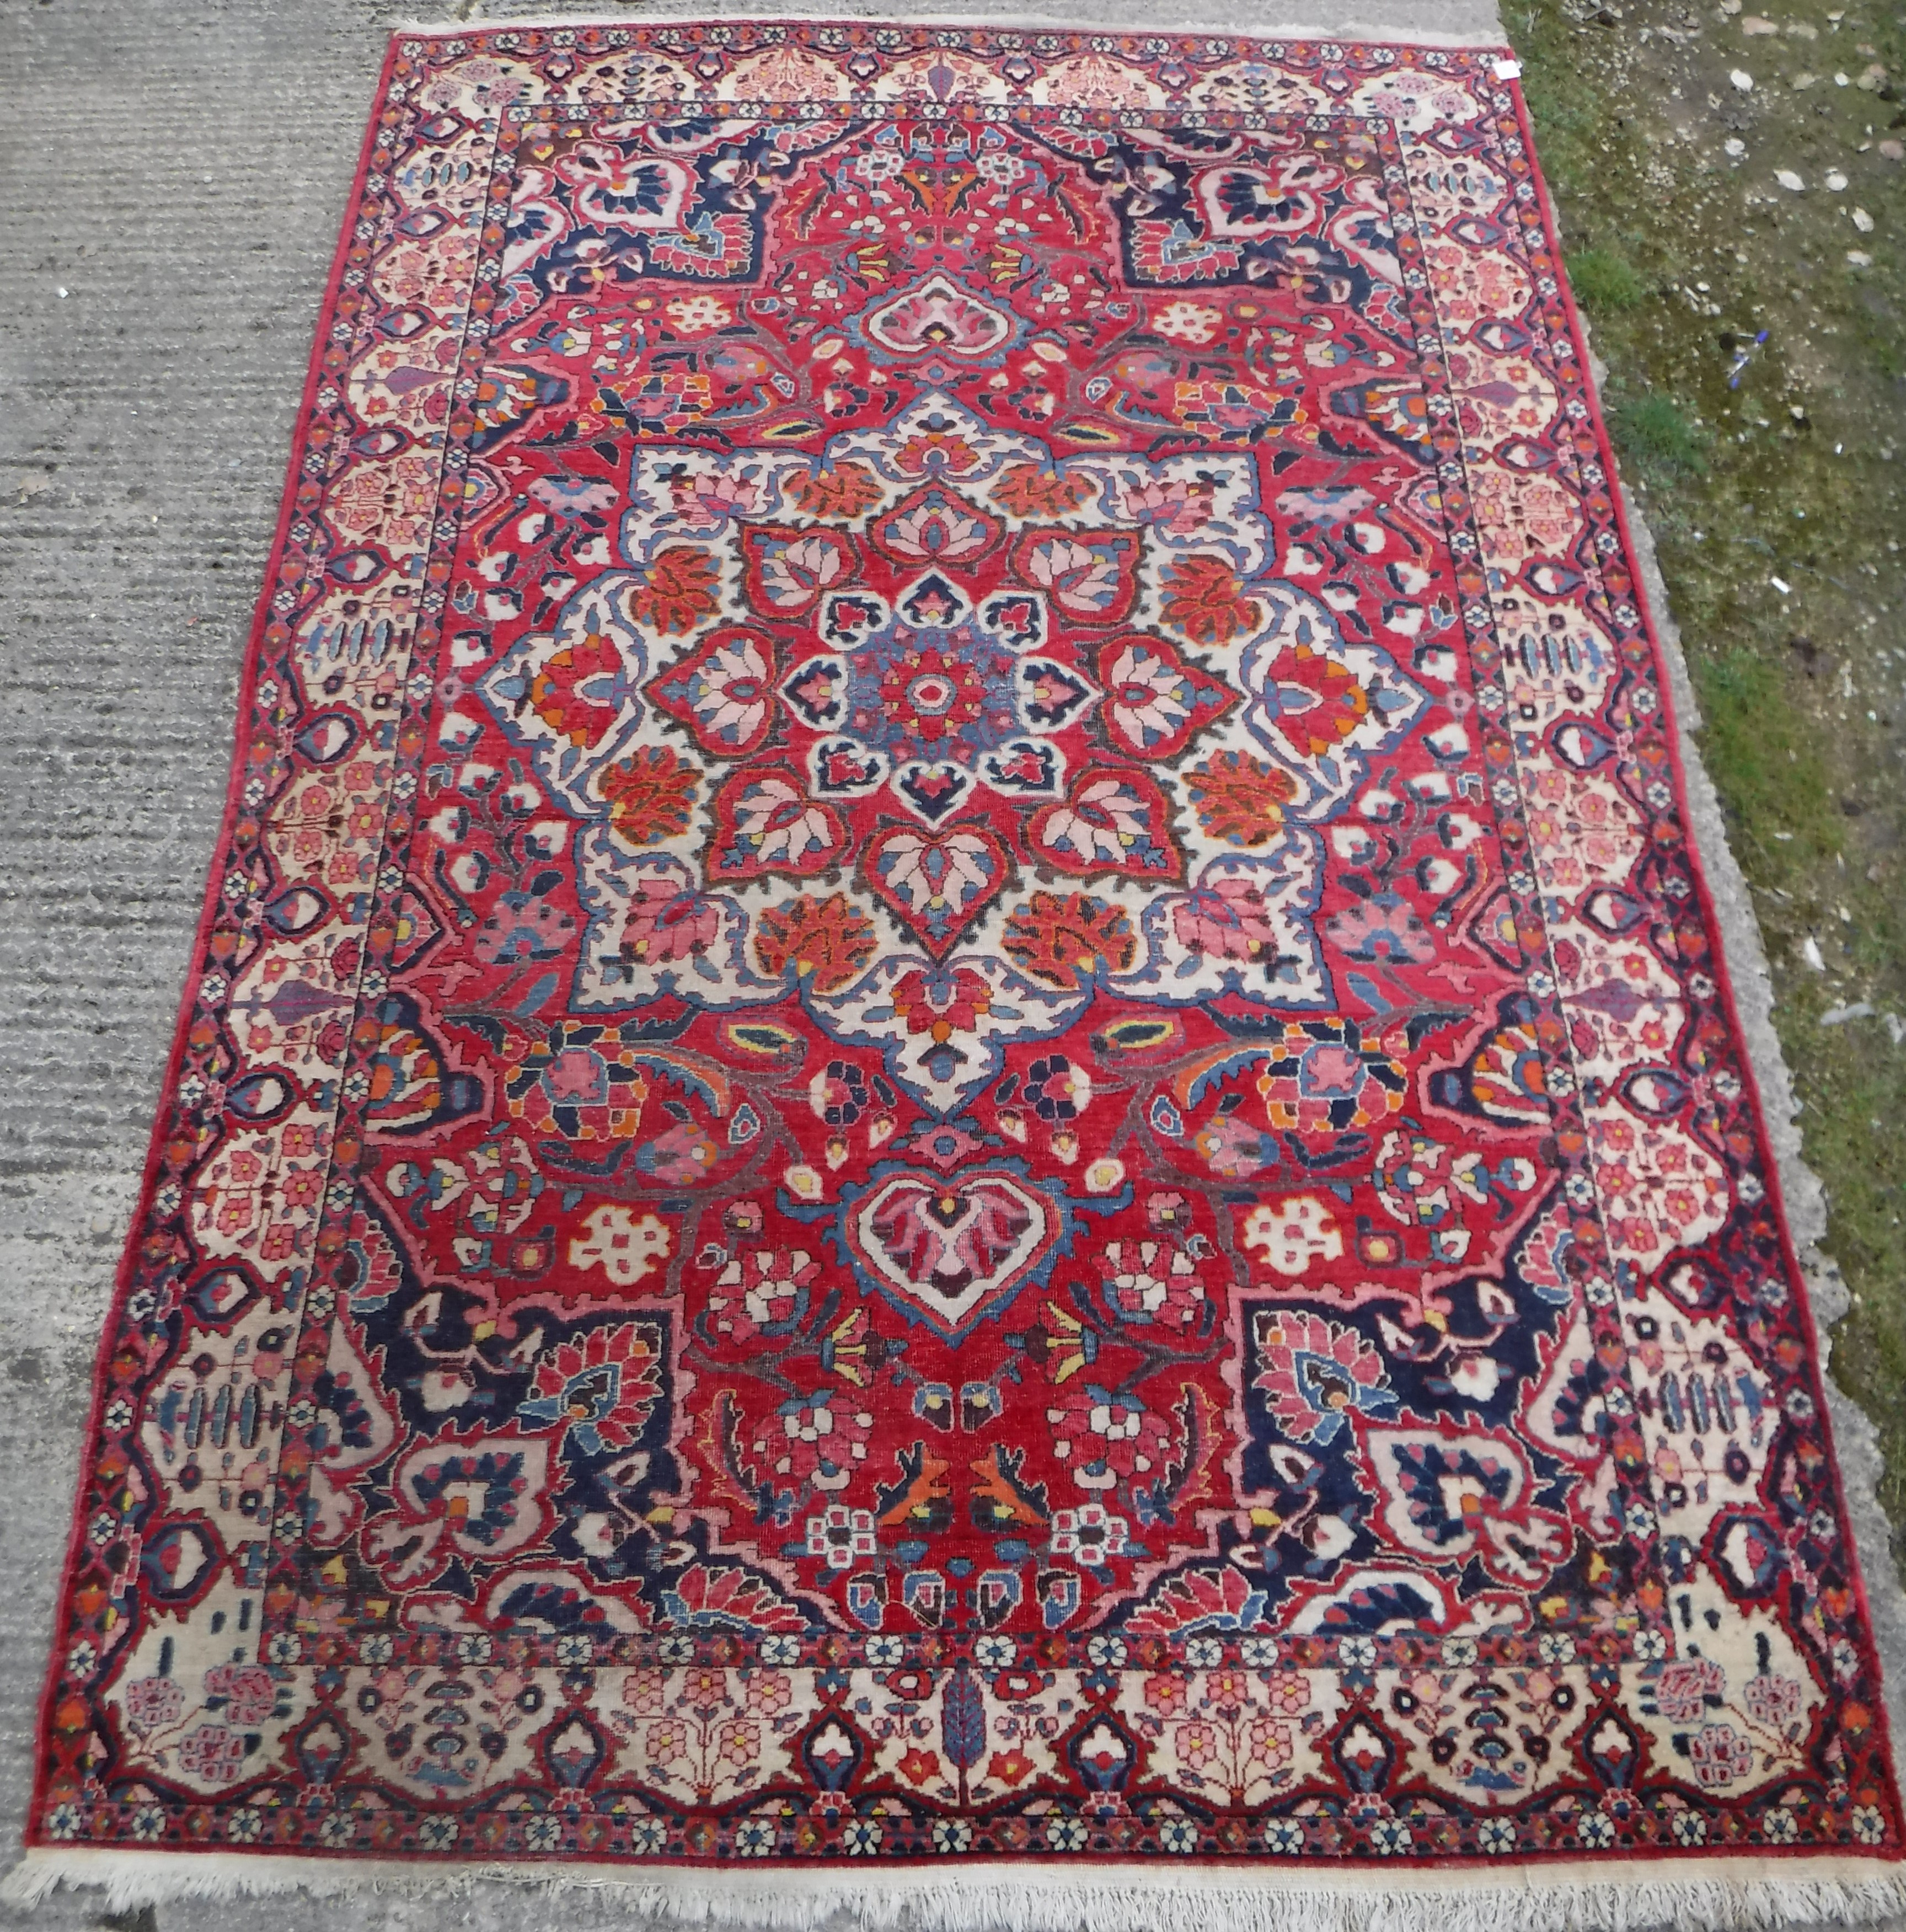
point(1337, 704)
point(556, 690)
point(1025, 489)
point(826, 938)
point(680, 593)
point(1012, 1767)
point(1204, 598)
point(651, 796)
point(917, 1766)
point(1239, 798)
point(935, 449)
point(1062, 939)
point(844, 490)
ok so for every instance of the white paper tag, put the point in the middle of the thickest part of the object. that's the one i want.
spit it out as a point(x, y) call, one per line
point(1509, 70)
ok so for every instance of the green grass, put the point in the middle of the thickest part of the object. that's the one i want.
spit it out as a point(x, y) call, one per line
point(1603, 280)
point(1651, 431)
point(1764, 748)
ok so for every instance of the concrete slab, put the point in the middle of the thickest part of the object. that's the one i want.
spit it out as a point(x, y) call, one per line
point(175, 170)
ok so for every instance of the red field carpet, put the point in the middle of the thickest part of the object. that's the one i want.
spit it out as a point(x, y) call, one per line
point(956, 1135)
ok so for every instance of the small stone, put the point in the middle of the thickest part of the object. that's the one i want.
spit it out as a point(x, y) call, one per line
point(1858, 258)
point(1735, 146)
point(1871, 78)
point(1789, 181)
point(1754, 24)
point(1862, 221)
point(1743, 79)
point(1893, 151)
point(1835, 180)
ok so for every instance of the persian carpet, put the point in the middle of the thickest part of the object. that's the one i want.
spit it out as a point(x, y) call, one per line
point(956, 1133)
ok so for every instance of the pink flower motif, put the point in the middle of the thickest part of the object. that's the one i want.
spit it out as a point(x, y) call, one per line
point(212, 1753)
point(666, 923)
point(1089, 1534)
point(683, 1154)
point(645, 1692)
point(1233, 1147)
point(770, 1691)
point(1270, 1741)
point(1772, 1701)
point(1177, 507)
point(1289, 1691)
point(1226, 920)
point(1315, 1373)
point(1107, 1438)
point(1720, 1754)
point(1684, 1687)
point(249, 1691)
point(764, 1290)
point(573, 496)
point(1196, 1744)
point(1152, 1282)
point(1228, 1690)
point(599, 1389)
point(152, 1703)
point(814, 1439)
point(300, 1187)
point(1386, 927)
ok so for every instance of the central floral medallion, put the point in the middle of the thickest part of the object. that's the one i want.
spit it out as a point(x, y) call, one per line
point(934, 699)
point(941, 723)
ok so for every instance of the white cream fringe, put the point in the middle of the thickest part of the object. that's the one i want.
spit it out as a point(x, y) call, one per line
point(1182, 16)
point(1698, 1894)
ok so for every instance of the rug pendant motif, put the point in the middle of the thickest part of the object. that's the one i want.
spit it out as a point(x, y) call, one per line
point(961, 1088)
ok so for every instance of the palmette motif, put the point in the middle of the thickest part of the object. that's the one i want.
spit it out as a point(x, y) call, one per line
point(956, 1086)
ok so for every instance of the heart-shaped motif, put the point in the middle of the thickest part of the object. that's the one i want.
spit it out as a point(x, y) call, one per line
point(788, 570)
point(1112, 820)
point(949, 1249)
point(1092, 577)
point(1156, 703)
point(939, 317)
point(938, 882)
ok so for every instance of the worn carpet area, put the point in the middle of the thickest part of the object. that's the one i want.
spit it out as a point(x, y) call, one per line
point(956, 1136)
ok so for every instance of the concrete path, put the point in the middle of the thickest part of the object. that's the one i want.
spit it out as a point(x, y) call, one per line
point(173, 172)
